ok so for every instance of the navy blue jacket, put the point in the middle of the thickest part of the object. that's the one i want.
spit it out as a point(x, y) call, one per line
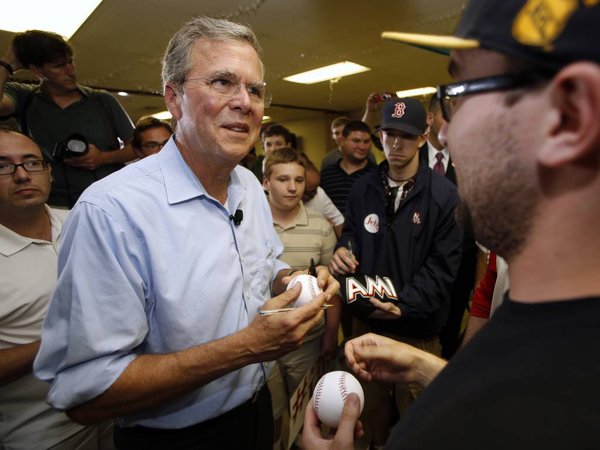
point(419, 250)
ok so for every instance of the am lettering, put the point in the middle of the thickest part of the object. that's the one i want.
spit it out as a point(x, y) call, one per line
point(374, 287)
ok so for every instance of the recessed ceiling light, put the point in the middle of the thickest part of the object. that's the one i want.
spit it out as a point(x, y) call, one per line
point(59, 16)
point(416, 92)
point(331, 72)
point(265, 118)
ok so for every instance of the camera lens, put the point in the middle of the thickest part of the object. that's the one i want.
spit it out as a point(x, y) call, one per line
point(76, 146)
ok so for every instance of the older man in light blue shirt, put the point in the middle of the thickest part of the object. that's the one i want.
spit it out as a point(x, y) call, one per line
point(154, 320)
point(161, 281)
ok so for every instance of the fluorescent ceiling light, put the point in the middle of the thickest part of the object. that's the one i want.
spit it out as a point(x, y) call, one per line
point(331, 72)
point(163, 115)
point(123, 93)
point(416, 92)
point(60, 16)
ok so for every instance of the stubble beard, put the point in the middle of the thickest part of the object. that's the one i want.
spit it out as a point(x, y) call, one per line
point(501, 205)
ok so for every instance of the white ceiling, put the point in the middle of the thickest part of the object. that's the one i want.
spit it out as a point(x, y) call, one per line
point(120, 47)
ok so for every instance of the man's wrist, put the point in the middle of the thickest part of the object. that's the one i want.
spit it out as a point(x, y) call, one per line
point(8, 67)
point(428, 367)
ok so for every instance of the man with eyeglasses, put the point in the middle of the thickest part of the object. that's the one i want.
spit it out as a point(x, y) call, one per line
point(29, 231)
point(150, 136)
point(523, 129)
point(165, 265)
point(400, 225)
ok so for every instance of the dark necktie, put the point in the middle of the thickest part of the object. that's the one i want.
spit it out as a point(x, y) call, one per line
point(439, 165)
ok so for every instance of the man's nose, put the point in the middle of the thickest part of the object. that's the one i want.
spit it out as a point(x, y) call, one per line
point(242, 98)
point(21, 174)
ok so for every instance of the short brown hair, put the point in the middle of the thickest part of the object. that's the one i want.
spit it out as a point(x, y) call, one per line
point(282, 155)
point(147, 123)
point(37, 47)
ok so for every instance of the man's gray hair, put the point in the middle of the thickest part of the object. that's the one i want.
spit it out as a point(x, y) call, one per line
point(177, 60)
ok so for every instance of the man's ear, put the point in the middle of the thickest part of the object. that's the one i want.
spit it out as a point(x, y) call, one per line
point(423, 138)
point(573, 131)
point(429, 118)
point(37, 71)
point(172, 97)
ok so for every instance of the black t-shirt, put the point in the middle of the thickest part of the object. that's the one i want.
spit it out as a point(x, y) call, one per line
point(529, 380)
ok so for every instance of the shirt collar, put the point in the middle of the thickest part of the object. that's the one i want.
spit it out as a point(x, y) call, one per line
point(12, 243)
point(181, 184)
point(301, 219)
point(433, 151)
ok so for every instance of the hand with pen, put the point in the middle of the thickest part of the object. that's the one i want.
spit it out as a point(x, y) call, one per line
point(273, 334)
point(343, 261)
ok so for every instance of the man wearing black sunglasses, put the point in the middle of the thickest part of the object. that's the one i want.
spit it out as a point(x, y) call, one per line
point(523, 129)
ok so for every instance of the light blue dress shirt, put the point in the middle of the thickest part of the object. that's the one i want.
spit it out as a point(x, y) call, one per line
point(150, 263)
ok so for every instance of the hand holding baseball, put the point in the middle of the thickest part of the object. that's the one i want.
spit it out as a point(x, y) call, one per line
point(330, 394)
point(325, 281)
point(310, 288)
point(349, 428)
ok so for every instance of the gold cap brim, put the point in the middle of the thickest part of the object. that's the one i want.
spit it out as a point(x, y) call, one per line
point(431, 40)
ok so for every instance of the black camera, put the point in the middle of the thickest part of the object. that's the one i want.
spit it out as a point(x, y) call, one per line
point(75, 145)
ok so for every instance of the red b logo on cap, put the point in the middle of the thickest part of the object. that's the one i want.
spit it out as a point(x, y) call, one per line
point(398, 110)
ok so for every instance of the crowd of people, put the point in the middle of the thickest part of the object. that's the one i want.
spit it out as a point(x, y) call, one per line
point(145, 268)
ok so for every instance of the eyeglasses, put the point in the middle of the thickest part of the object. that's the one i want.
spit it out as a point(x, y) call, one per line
point(33, 165)
point(153, 145)
point(227, 88)
point(447, 94)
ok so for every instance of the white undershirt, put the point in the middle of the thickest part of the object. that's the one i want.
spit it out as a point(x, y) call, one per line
point(400, 184)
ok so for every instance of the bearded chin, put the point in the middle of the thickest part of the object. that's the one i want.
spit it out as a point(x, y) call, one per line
point(497, 230)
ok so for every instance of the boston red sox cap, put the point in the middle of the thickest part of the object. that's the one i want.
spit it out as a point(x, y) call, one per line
point(404, 114)
point(547, 33)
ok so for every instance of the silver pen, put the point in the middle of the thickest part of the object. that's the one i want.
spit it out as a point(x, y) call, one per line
point(350, 252)
point(268, 312)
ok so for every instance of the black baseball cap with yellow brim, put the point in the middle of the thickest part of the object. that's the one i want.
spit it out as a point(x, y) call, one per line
point(548, 33)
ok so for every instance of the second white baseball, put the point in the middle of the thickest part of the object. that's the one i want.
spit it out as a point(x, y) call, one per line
point(310, 288)
point(331, 392)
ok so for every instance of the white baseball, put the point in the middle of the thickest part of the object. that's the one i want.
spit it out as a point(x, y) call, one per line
point(331, 392)
point(310, 288)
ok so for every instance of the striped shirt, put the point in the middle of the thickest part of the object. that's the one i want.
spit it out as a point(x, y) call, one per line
point(337, 183)
point(310, 235)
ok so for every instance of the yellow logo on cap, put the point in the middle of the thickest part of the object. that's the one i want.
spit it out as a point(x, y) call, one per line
point(540, 22)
